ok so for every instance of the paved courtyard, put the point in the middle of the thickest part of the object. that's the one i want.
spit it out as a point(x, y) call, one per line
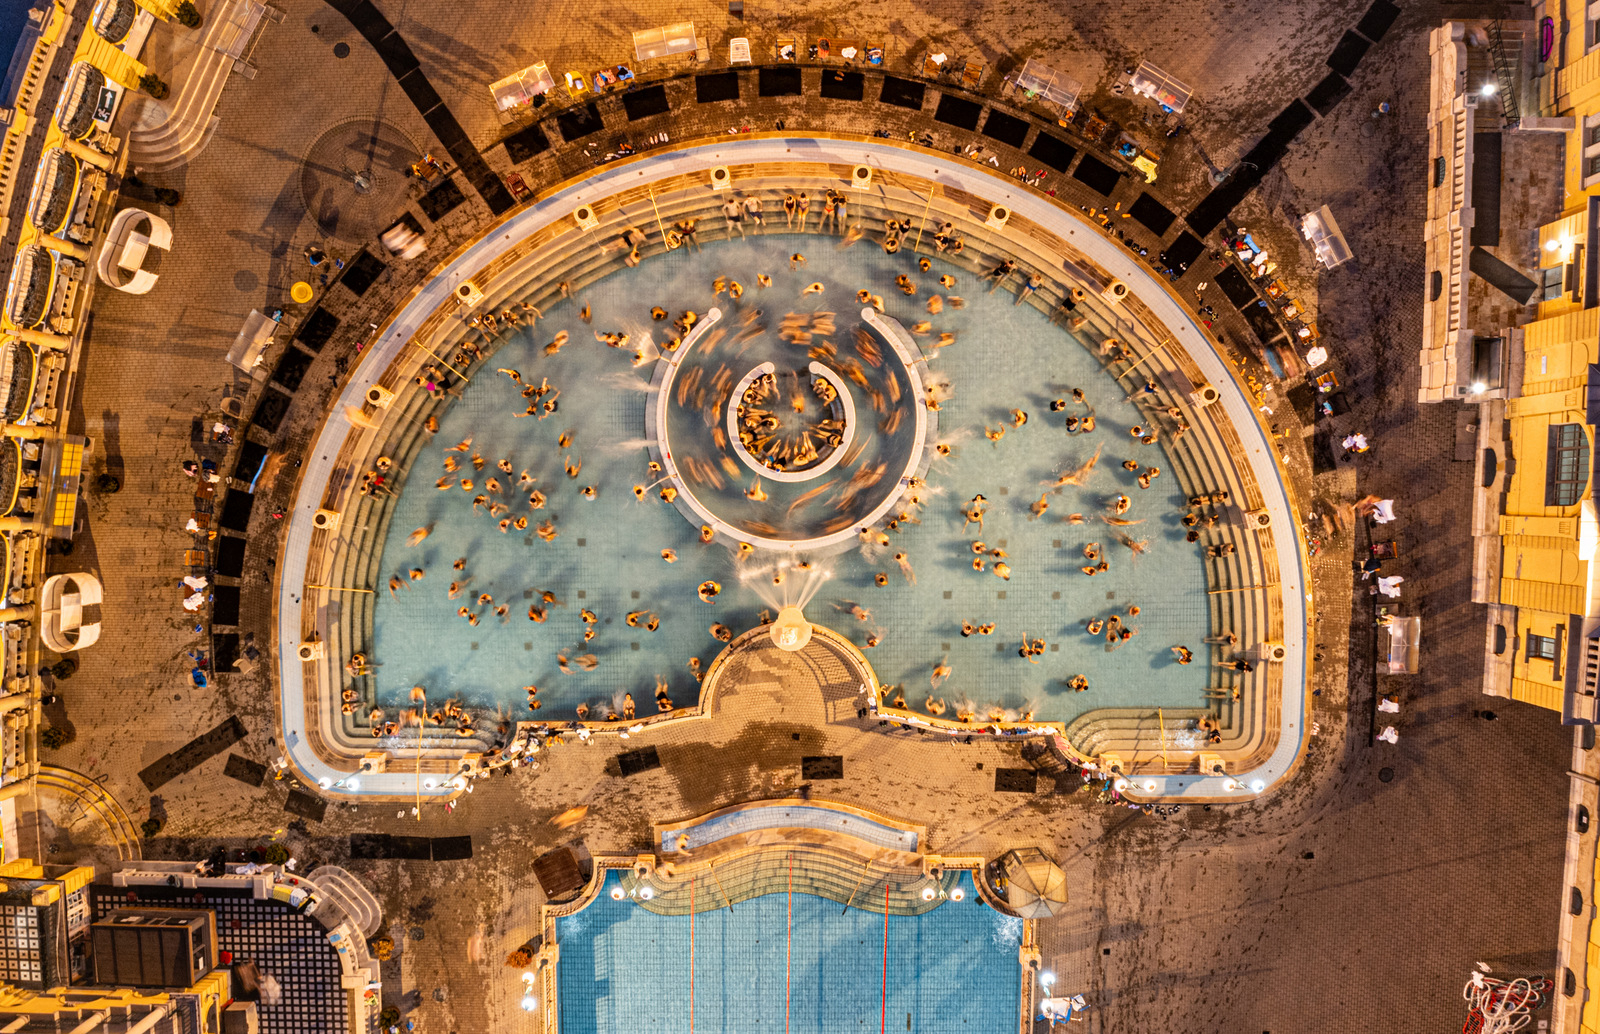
point(1355, 898)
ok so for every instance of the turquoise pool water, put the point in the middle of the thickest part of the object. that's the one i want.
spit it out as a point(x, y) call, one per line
point(607, 555)
point(953, 969)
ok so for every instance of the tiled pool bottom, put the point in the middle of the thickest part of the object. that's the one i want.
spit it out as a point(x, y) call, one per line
point(607, 557)
point(625, 969)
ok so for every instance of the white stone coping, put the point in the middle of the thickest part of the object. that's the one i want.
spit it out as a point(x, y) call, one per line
point(1258, 451)
point(792, 477)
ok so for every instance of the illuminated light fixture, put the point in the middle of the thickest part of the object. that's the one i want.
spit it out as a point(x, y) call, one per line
point(1230, 784)
point(958, 895)
point(1150, 785)
point(1257, 785)
point(1478, 387)
point(1047, 979)
point(325, 782)
point(927, 893)
point(529, 1003)
point(1552, 244)
point(428, 784)
point(353, 784)
point(647, 893)
point(616, 893)
point(1488, 89)
point(1120, 785)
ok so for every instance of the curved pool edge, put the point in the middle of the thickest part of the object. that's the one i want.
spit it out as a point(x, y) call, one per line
point(1296, 598)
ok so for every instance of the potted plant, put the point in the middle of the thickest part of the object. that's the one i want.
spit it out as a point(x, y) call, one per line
point(54, 738)
point(151, 83)
point(188, 14)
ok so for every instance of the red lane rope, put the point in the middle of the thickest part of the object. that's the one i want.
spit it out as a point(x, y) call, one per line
point(691, 956)
point(883, 1025)
point(788, 962)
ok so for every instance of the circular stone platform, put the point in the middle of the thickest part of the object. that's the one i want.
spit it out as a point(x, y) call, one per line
point(879, 419)
point(355, 175)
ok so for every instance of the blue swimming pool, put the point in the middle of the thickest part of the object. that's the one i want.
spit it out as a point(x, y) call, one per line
point(607, 558)
point(953, 969)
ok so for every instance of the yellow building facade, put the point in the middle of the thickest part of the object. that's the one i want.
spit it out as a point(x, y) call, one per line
point(1545, 618)
point(1535, 518)
point(1547, 527)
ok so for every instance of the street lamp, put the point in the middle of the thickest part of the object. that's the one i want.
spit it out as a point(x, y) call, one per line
point(1047, 980)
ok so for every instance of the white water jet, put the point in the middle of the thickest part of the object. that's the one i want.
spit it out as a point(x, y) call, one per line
point(622, 380)
point(788, 582)
point(627, 445)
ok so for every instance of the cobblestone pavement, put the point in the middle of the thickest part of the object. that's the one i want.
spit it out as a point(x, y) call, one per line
point(1346, 901)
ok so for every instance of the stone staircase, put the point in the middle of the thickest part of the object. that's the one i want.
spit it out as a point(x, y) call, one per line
point(191, 120)
point(806, 869)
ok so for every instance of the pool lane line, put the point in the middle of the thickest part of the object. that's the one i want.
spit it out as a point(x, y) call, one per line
point(691, 955)
point(788, 959)
point(883, 1023)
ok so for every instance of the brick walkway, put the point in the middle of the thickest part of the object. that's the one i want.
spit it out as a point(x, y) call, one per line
point(1209, 920)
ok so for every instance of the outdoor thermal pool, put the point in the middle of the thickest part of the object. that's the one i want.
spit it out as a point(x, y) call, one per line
point(606, 555)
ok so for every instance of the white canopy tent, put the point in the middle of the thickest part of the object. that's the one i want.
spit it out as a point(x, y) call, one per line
point(1150, 81)
point(1327, 240)
point(520, 88)
point(666, 41)
point(1046, 84)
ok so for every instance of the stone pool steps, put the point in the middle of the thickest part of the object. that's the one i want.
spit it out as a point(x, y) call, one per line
point(816, 870)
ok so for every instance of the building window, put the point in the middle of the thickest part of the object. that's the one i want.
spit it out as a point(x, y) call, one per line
point(1566, 465)
point(1541, 647)
point(1555, 282)
point(1591, 145)
point(1440, 168)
